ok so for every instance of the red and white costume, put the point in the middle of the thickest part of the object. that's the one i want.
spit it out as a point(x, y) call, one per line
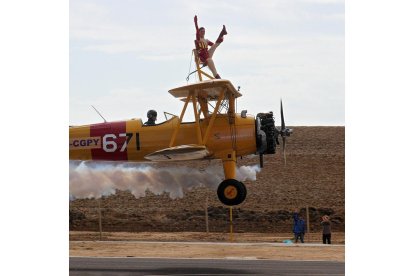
point(205, 54)
point(202, 47)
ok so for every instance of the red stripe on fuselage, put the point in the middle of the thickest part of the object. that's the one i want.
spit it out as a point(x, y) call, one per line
point(103, 129)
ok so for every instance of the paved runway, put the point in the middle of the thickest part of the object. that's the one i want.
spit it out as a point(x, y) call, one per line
point(160, 266)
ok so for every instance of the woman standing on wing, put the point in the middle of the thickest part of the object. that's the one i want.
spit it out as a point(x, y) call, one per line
point(205, 54)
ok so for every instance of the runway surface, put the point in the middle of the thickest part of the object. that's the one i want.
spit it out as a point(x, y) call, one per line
point(164, 266)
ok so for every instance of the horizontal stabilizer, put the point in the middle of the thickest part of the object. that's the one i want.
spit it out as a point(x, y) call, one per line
point(179, 153)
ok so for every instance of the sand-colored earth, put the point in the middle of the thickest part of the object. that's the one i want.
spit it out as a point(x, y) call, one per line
point(205, 245)
point(314, 176)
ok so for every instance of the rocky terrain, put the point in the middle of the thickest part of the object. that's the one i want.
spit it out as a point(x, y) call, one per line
point(313, 177)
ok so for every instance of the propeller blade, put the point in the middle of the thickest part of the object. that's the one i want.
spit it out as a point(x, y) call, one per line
point(284, 131)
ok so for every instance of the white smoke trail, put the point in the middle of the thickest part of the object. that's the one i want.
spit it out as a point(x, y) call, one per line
point(247, 172)
point(97, 179)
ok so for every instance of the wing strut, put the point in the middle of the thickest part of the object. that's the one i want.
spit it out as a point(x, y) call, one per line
point(213, 117)
point(172, 141)
point(197, 121)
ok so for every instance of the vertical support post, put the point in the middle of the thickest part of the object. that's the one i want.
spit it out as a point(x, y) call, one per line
point(206, 208)
point(307, 222)
point(197, 62)
point(100, 219)
point(231, 223)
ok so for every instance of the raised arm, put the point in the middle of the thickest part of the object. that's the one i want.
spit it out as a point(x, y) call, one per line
point(196, 26)
point(295, 216)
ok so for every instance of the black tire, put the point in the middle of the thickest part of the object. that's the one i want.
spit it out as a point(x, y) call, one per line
point(244, 193)
point(231, 192)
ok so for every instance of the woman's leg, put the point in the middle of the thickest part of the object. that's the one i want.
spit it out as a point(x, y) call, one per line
point(212, 67)
point(213, 49)
point(218, 41)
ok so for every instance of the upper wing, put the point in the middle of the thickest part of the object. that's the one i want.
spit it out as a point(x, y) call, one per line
point(209, 89)
point(179, 153)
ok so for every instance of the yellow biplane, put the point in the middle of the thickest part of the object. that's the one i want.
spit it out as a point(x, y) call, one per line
point(218, 132)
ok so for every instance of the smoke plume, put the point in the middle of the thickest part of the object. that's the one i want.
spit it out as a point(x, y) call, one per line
point(97, 179)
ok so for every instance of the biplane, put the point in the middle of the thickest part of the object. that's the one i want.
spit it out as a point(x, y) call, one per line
point(218, 132)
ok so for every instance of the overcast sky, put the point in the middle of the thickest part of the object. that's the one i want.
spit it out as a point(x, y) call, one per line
point(125, 56)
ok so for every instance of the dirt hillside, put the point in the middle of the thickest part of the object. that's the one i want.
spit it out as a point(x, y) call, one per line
point(314, 176)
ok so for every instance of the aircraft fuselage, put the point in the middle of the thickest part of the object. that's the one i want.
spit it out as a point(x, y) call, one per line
point(131, 140)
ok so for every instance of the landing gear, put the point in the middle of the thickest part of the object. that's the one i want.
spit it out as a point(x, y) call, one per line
point(231, 192)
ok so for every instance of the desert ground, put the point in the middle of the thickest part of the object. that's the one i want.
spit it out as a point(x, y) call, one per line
point(313, 178)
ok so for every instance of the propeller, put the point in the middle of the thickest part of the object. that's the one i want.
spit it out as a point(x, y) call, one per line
point(284, 132)
point(267, 134)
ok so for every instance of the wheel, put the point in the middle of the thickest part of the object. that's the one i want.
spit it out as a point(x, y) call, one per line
point(231, 192)
point(244, 193)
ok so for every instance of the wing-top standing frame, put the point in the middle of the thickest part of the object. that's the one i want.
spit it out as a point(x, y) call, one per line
point(202, 95)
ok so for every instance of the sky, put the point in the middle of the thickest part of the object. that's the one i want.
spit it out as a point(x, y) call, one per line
point(124, 56)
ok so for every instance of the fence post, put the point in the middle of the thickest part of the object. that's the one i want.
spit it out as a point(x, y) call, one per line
point(100, 219)
point(308, 222)
point(206, 209)
point(231, 223)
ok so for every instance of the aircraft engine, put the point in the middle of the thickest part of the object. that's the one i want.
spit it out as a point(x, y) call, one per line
point(266, 133)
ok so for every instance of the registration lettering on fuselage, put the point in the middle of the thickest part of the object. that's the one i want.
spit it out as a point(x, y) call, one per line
point(85, 143)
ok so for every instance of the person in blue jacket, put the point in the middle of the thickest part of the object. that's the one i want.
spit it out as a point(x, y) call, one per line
point(299, 227)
